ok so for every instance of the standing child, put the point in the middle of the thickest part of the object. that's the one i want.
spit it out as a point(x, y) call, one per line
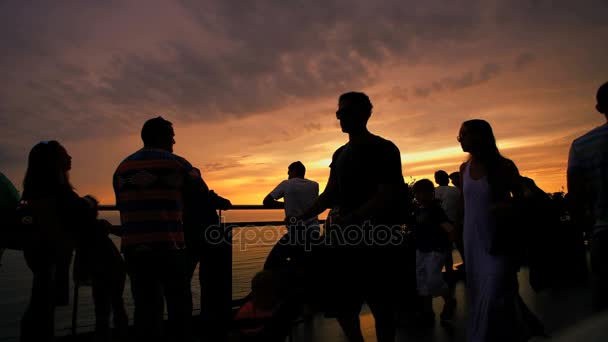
point(99, 263)
point(432, 234)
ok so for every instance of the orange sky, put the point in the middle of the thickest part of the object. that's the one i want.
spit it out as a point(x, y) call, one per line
point(252, 87)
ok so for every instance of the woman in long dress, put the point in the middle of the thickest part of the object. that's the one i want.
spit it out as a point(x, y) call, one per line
point(491, 184)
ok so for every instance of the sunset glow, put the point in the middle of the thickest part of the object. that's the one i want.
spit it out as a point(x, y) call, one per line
point(252, 86)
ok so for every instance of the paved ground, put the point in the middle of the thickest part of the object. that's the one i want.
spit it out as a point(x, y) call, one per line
point(565, 314)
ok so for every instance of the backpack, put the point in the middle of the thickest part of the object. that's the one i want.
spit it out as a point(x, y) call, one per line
point(21, 230)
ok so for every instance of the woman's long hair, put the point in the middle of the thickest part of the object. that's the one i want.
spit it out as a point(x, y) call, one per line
point(486, 152)
point(47, 171)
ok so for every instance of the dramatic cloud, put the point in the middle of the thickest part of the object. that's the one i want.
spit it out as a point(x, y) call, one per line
point(93, 71)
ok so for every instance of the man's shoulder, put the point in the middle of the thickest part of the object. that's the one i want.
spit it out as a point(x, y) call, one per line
point(383, 143)
point(298, 181)
point(144, 158)
point(592, 136)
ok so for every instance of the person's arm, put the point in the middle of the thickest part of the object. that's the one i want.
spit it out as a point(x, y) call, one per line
point(449, 229)
point(325, 200)
point(270, 202)
point(461, 188)
point(219, 202)
point(577, 189)
point(510, 204)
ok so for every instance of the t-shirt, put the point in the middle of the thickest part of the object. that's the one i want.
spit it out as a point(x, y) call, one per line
point(150, 187)
point(589, 158)
point(299, 194)
point(358, 169)
point(449, 198)
point(427, 231)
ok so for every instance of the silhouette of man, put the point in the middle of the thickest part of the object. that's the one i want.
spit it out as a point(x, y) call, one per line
point(364, 185)
point(150, 187)
point(588, 188)
point(299, 194)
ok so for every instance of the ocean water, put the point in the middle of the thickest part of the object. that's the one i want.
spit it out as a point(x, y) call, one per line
point(250, 247)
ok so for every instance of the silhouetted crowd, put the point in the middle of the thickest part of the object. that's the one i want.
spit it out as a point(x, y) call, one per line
point(385, 243)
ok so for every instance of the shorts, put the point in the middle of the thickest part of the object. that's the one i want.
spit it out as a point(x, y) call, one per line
point(429, 278)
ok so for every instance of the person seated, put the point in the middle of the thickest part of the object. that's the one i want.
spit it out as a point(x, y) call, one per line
point(266, 315)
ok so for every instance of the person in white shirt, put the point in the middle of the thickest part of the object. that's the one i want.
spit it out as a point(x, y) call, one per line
point(448, 195)
point(299, 194)
point(449, 198)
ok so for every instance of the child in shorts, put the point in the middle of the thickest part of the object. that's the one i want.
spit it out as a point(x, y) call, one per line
point(432, 233)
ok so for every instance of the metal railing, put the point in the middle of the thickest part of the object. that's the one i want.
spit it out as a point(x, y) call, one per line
point(230, 224)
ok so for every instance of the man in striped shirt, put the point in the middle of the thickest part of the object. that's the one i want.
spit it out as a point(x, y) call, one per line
point(151, 188)
point(588, 188)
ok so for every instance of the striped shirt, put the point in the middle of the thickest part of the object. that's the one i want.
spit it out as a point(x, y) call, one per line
point(150, 187)
point(589, 159)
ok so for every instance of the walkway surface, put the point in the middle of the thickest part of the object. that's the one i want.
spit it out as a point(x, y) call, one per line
point(566, 314)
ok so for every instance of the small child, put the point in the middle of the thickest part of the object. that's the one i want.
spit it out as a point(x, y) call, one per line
point(432, 235)
point(99, 263)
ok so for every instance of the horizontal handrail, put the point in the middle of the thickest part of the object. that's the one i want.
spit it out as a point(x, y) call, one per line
point(109, 207)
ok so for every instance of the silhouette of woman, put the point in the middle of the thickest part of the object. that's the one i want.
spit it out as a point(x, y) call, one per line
point(58, 211)
point(491, 185)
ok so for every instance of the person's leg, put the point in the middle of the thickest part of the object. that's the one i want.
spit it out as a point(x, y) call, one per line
point(102, 300)
point(38, 322)
point(449, 266)
point(350, 324)
point(215, 278)
point(119, 312)
point(178, 295)
point(62, 278)
point(384, 314)
point(147, 294)
point(599, 268)
point(449, 307)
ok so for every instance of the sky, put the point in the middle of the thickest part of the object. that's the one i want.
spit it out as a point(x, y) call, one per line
point(252, 86)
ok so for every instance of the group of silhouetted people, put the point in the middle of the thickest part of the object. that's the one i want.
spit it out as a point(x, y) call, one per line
point(375, 242)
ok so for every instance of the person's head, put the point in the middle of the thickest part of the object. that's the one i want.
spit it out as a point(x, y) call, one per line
point(158, 133)
point(47, 169)
point(602, 99)
point(441, 178)
point(354, 109)
point(424, 191)
point(296, 169)
point(455, 178)
point(477, 138)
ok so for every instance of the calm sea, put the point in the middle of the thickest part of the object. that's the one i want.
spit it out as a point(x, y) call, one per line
point(251, 245)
